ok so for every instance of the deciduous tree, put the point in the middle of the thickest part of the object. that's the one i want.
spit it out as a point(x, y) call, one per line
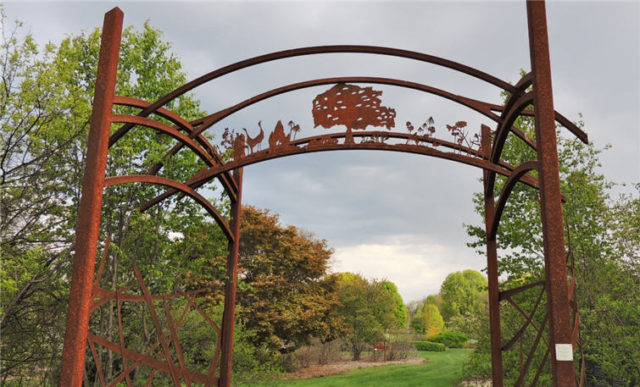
point(400, 310)
point(284, 295)
point(367, 310)
point(464, 296)
point(432, 320)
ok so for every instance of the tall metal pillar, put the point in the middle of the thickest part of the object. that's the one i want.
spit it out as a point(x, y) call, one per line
point(87, 231)
point(229, 315)
point(550, 199)
point(492, 271)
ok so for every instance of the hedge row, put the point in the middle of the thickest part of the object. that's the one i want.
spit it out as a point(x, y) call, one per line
point(429, 346)
point(451, 339)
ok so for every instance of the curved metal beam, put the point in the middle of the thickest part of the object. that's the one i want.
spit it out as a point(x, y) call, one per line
point(317, 50)
point(481, 107)
point(562, 120)
point(204, 123)
point(522, 86)
point(206, 157)
point(228, 183)
point(196, 181)
point(117, 180)
point(171, 116)
point(513, 178)
point(508, 118)
point(269, 154)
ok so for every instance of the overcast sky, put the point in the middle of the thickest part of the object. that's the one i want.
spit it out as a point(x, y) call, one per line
point(388, 215)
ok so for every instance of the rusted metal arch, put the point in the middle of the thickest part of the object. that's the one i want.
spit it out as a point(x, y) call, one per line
point(270, 154)
point(555, 261)
point(143, 121)
point(481, 107)
point(204, 123)
point(203, 176)
point(210, 156)
point(171, 116)
point(117, 180)
point(208, 121)
point(515, 176)
point(317, 50)
point(334, 49)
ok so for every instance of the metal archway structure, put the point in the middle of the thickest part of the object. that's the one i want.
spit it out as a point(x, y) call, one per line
point(361, 109)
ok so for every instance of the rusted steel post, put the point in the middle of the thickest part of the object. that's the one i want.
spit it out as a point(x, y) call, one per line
point(75, 339)
point(228, 317)
point(492, 270)
point(561, 349)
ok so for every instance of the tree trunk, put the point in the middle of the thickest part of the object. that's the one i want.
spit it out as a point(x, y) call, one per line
point(348, 139)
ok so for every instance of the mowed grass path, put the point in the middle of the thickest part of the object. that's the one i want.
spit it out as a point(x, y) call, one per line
point(442, 369)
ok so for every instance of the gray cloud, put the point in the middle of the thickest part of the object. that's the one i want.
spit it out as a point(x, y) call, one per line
point(361, 201)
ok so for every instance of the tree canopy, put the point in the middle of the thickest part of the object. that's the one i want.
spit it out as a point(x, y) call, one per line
point(284, 296)
point(464, 297)
point(368, 310)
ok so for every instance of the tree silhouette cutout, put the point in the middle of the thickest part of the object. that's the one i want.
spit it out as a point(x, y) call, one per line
point(352, 106)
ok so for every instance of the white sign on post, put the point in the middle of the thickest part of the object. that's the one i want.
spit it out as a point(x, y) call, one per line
point(564, 352)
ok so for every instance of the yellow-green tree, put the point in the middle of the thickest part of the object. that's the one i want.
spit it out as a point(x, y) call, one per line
point(433, 322)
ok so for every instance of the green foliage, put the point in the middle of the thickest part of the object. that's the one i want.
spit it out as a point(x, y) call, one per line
point(415, 311)
point(429, 346)
point(417, 325)
point(435, 299)
point(451, 339)
point(432, 320)
point(464, 296)
point(367, 311)
point(400, 311)
point(285, 297)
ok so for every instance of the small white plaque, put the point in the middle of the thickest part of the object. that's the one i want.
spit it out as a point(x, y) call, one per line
point(564, 352)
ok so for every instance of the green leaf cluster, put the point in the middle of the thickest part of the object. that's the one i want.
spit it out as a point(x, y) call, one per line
point(367, 309)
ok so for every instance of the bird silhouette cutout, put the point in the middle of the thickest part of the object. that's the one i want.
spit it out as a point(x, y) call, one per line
point(257, 140)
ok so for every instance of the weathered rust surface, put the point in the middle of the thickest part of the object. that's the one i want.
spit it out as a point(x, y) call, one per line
point(228, 317)
point(492, 269)
point(89, 212)
point(550, 197)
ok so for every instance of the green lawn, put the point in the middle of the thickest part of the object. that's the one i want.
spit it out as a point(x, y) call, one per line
point(442, 369)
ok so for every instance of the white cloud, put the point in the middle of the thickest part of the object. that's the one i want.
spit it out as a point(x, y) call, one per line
point(418, 269)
